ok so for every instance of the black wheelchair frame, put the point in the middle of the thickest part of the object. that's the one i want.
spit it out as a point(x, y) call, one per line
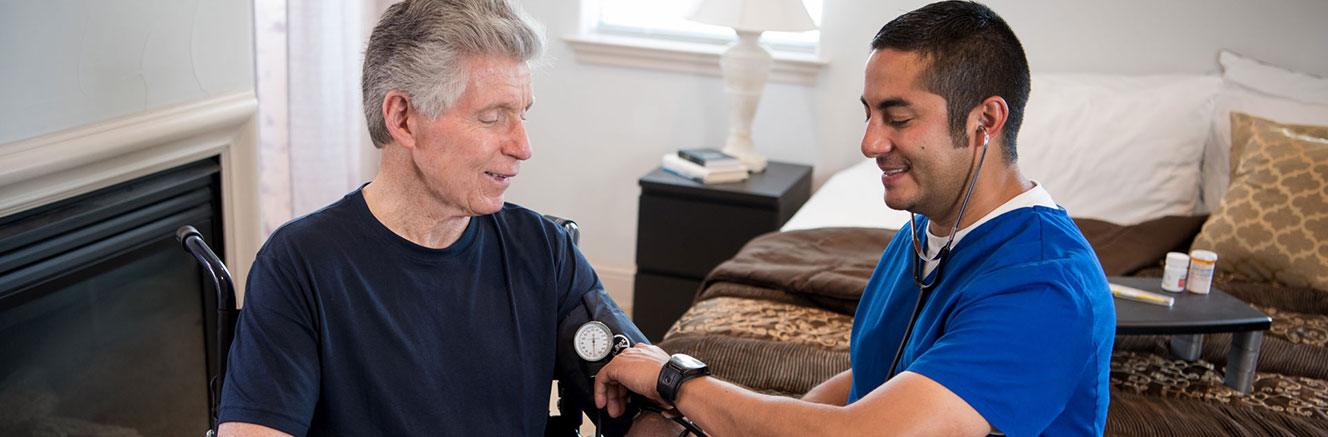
point(566, 424)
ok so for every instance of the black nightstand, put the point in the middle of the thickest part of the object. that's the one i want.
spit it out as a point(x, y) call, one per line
point(685, 229)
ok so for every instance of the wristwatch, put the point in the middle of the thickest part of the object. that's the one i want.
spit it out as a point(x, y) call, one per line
point(679, 369)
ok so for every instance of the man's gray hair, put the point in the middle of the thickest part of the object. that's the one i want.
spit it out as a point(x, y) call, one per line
point(419, 47)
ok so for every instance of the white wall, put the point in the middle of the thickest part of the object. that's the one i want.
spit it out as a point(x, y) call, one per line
point(97, 92)
point(596, 130)
point(68, 63)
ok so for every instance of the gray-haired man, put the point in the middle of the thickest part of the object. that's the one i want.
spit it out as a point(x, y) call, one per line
point(421, 303)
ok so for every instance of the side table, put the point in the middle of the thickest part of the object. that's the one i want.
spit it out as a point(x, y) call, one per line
point(685, 229)
point(1192, 316)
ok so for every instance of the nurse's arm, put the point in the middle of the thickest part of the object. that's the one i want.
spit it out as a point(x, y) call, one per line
point(833, 391)
point(908, 404)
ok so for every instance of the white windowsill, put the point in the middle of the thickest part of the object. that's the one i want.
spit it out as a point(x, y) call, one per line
point(684, 57)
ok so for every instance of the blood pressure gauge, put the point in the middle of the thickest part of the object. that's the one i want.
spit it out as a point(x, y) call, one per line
point(593, 341)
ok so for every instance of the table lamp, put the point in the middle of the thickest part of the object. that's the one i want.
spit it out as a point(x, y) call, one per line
point(746, 65)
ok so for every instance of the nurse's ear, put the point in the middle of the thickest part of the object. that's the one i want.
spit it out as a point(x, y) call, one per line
point(989, 118)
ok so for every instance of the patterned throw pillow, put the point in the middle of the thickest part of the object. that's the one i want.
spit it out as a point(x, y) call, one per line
point(1272, 224)
point(1242, 127)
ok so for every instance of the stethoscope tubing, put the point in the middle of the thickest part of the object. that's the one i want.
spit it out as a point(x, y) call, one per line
point(925, 289)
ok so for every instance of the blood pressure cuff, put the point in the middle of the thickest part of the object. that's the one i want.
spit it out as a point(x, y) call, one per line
point(576, 386)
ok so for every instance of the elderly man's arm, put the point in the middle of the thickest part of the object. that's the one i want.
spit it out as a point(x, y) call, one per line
point(653, 424)
point(241, 429)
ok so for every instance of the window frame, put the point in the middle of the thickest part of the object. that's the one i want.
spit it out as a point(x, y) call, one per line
point(679, 52)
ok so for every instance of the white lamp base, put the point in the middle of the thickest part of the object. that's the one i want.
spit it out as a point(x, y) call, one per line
point(754, 162)
point(746, 66)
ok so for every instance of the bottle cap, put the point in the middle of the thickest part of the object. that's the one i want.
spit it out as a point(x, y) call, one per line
point(1203, 255)
point(1178, 259)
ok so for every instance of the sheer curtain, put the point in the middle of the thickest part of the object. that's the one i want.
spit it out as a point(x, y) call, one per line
point(313, 143)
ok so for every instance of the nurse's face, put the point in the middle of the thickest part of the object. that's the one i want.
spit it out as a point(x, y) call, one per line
point(922, 166)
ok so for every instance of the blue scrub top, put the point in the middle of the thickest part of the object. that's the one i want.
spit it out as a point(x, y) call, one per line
point(1020, 326)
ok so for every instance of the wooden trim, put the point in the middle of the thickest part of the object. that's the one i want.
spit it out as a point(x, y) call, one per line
point(60, 165)
point(684, 57)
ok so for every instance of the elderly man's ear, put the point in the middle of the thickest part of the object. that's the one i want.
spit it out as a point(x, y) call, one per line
point(401, 118)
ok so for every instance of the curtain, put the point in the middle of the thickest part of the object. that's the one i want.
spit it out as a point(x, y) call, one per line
point(313, 143)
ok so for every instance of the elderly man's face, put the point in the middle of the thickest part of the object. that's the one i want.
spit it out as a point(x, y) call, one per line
point(470, 153)
point(908, 136)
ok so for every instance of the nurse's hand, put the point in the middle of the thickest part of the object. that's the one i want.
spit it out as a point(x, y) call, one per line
point(636, 370)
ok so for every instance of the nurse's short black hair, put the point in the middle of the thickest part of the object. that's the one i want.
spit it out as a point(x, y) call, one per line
point(973, 55)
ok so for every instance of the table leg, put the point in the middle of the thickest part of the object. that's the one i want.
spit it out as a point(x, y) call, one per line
point(1187, 347)
point(1243, 360)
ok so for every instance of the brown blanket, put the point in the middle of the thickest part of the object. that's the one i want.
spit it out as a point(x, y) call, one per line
point(1124, 250)
point(829, 267)
point(826, 268)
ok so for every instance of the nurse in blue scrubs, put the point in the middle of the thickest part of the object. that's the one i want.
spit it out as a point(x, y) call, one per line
point(988, 313)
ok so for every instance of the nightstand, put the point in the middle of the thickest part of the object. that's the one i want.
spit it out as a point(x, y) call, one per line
point(685, 229)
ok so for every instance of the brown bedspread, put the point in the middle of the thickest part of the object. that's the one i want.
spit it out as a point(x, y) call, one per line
point(776, 318)
point(825, 268)
point(829, 267)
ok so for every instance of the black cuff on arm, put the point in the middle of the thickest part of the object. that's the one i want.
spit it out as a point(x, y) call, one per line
point(573, 373)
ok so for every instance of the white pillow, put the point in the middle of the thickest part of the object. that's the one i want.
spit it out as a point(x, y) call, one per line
point(1273, 80)
point(851, 197)
point(1124, 149)
point(1264, 91)
point(1217, 152)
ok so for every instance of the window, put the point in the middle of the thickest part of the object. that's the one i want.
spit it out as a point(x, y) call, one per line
point(667, 20)
point(655, 34)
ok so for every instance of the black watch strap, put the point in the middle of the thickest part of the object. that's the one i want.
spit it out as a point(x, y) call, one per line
point(679, 369)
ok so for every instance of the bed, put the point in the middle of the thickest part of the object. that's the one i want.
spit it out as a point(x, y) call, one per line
point(776, 317)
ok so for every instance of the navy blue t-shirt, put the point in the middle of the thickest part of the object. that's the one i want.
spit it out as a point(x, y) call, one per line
point(349, 329)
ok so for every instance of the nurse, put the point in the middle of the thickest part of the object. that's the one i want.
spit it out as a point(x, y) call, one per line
point(988, 313)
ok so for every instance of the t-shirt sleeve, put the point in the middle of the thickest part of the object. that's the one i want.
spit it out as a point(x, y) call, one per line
point(273, 374)
point(572, 272)
point(582, 299)
point(1016, 352)
point(581, 290)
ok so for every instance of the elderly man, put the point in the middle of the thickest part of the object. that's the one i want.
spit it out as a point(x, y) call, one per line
point(991, 314)
point(421, 303)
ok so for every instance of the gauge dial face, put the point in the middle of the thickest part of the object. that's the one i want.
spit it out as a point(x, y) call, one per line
point(593, 341)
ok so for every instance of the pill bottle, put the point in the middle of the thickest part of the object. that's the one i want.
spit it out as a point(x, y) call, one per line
point(1202, 265)
point(1173, 276)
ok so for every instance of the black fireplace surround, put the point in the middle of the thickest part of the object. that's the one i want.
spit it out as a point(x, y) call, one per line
point(104, 320)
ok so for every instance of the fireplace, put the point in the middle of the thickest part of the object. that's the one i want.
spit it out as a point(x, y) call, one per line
point(104, 320)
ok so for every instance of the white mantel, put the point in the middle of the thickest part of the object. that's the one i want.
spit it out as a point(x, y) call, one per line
point(59, 165)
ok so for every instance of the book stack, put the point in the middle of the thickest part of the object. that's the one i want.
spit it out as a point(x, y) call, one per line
point(707, 166)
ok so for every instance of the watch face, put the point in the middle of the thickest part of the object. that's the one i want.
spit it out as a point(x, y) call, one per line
point(593, 341)
point(687, 362)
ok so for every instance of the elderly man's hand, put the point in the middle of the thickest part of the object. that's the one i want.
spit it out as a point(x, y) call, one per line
point(636, 370)
point(652, 425)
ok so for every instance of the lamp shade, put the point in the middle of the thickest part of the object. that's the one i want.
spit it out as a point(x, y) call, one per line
point(754, 15)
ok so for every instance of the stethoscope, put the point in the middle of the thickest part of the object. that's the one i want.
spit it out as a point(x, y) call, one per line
point(920, 256)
